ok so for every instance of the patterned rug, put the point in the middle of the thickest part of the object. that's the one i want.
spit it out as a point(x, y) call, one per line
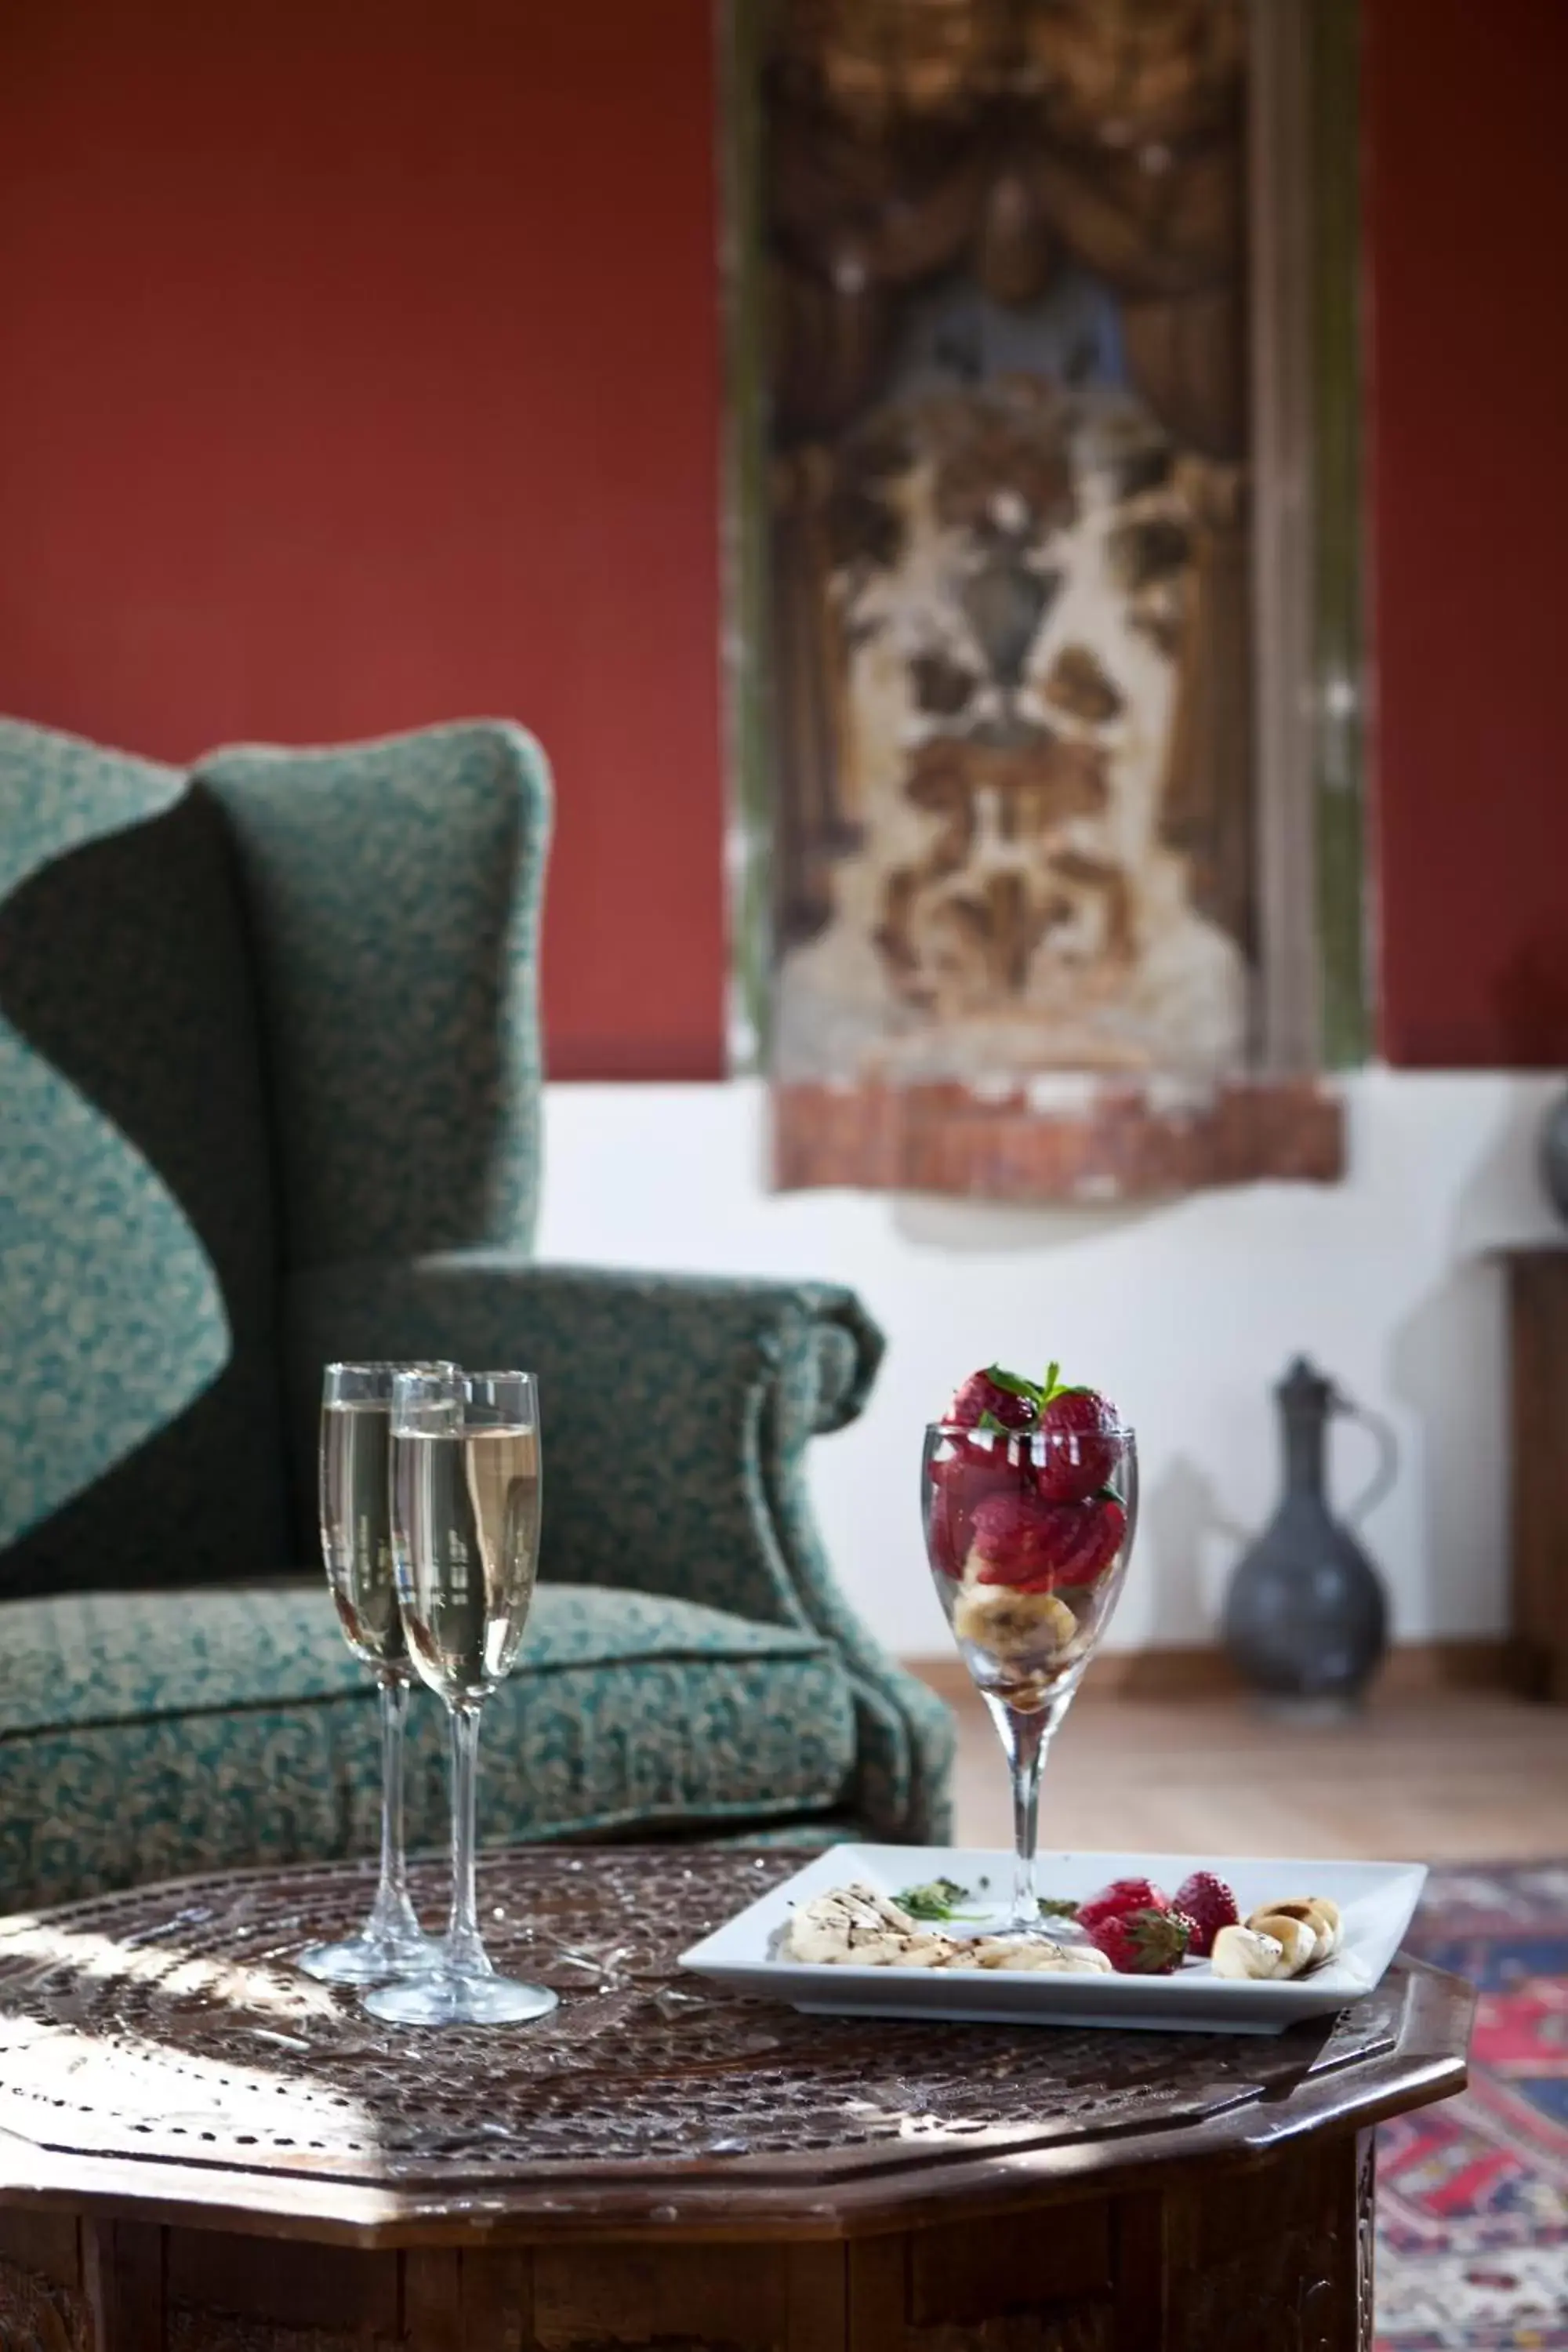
point(1472, 2195)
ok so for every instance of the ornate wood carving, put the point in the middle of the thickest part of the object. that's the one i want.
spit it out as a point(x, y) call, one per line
point(661, 2164)
point(190, 2328)
point(36, 2315)
point(935, 188)
point(1086, 2328)
point(1001, 1147)
point(1284, 2293)
point(1366, 2240)
point(169, 2024)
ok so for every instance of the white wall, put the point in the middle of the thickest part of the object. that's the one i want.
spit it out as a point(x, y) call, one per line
point(1185, 1313)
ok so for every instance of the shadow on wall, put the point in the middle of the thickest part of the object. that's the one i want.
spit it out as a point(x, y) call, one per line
point(995, 1229)
point(1195, 1547)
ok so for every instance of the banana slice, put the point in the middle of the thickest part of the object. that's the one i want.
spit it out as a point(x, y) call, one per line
point(1243, 1952)
point(1297, 1940)
point(1013, 1624)
point(1032, 1952)
point(1319, 1914)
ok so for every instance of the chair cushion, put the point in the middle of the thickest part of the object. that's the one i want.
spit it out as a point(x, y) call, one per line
point(147, 1734)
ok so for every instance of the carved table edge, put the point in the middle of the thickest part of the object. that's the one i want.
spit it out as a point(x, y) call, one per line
point(672, 2212)
point(1005, 2188)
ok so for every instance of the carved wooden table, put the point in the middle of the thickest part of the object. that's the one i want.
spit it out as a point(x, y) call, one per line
point(200, 2148)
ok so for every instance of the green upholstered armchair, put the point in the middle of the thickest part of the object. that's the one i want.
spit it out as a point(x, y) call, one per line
point(269, 1092)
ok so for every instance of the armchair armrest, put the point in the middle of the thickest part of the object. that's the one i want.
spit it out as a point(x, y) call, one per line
point(677, 1410)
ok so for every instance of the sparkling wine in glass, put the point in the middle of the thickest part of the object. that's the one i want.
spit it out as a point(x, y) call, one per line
point(1028, 1533)
point(465, 1530)
point(356, 1546)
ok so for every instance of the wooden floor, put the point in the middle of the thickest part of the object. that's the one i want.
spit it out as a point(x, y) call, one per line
point(1457, 1776)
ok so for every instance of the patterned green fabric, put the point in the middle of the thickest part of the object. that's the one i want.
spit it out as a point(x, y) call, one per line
point(676, 1416)
point(380, 903)
point(149, 1735)
point(394, 893)
point(123, 965)
point(112, 1314)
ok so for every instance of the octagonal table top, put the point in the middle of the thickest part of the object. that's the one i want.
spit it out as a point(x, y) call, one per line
point(160, 2055)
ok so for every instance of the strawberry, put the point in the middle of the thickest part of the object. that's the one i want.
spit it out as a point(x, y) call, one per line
point(966, 1468)
point(947, 1535)
point(1039, 1546)
point(1123, 1894)
point(1077, 1444)
point(1002, 1397)
point(1015, 1540)
point(1149, 1943)
point(1091, 1537)
point(974, 1464)
point(1209, 1903)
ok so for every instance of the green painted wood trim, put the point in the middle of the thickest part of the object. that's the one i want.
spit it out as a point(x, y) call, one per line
point(1338, 652)
point(750, 815)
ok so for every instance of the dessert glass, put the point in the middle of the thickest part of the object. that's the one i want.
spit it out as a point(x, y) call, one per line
point(1028, 1534)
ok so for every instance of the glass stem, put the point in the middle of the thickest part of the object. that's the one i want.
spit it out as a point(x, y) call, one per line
point(1026, 1738)
point(392, 1913)
point(465, 1951)
point(1028, 1755)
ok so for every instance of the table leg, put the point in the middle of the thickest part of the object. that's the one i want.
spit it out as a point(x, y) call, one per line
point(123, 2268)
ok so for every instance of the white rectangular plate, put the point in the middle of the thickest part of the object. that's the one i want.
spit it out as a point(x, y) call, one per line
point(1376, 1898)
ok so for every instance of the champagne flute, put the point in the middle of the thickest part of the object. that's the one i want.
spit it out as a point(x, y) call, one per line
point(356, 1546)
point(1028, 1533)
point(464, 1536)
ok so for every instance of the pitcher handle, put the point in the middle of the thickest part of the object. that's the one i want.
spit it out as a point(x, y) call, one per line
point(1387, 1468)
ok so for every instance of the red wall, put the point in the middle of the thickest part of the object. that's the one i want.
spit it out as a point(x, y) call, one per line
point(360, 369)
point(1466, 132)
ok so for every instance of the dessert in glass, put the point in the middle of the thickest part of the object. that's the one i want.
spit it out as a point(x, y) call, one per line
point(1029, 1496)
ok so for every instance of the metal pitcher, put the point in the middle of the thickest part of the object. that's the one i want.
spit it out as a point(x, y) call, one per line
point(1306, 1618)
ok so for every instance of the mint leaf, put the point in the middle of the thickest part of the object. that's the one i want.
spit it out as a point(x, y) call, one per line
point(1015, 1384)
point(935, 1900)
point(939, 1899)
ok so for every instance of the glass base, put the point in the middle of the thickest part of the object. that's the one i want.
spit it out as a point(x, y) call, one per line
point(370, 1957)
point(446, 1999)
point(1045, 1930)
